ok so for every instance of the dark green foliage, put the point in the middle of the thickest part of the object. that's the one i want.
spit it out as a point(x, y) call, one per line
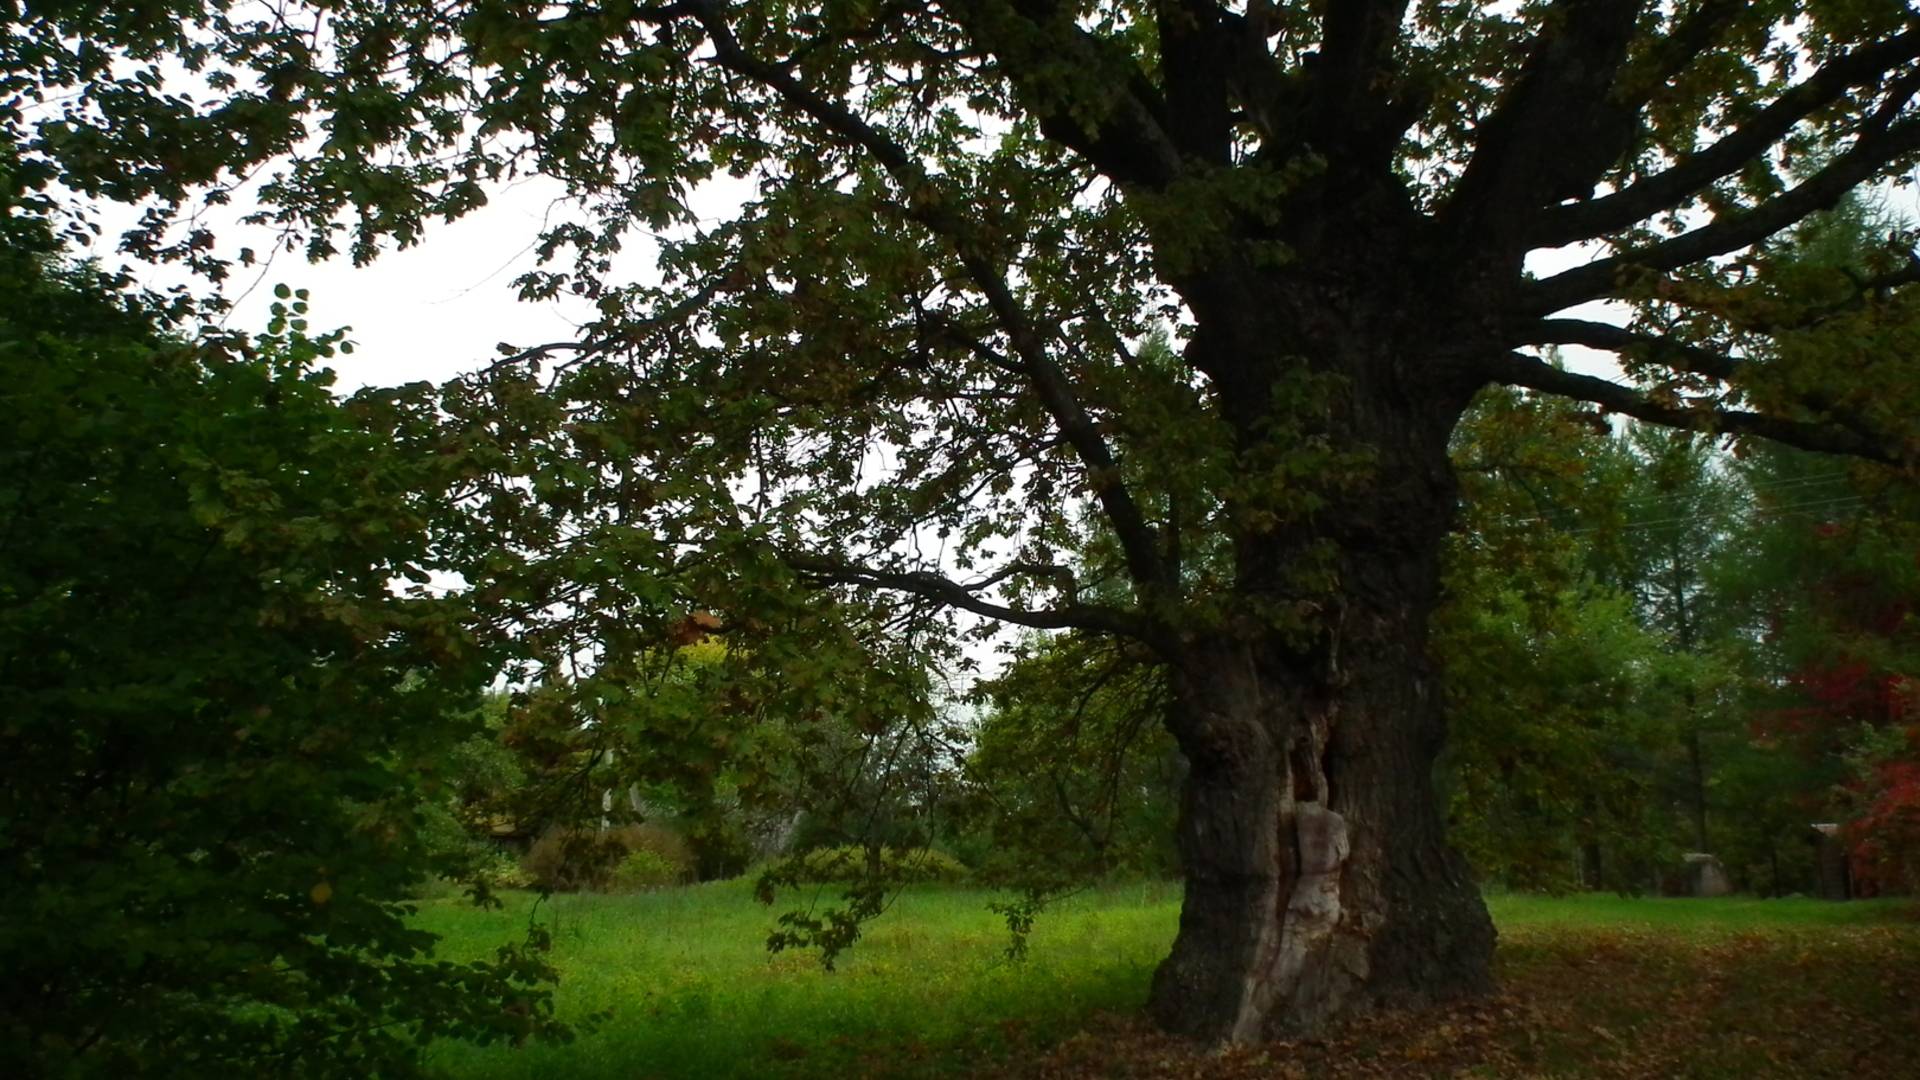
point(219, 714)
point(1727, 639)
point(899, 377)
point(1829, 572)
point(1549, 771)
point(1073, 766)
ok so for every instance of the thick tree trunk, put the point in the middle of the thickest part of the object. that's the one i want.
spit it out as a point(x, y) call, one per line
point(1318, 877)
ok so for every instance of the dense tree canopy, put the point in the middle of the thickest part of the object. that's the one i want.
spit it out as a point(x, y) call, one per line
point(897, 377)
point(219, 718)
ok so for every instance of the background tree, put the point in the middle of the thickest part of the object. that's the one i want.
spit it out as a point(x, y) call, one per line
point(1830, 578)
point(1682, 506)
point(896, 376)
point(1549, 774)
point(220, 718)
point(1079, 776)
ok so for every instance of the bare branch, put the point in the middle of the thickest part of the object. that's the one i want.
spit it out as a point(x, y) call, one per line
point(1602, 278)
point(1518, 369)
point(1610, 213)
point(966, 596)
point(1597, 335)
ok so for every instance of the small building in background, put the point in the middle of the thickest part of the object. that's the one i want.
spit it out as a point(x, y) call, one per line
point(1833, 869)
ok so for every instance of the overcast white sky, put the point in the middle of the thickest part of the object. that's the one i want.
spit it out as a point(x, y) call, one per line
point(433, 310)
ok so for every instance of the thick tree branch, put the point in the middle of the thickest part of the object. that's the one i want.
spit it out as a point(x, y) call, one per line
point(1610, 213)
point(1598, 335)
point(1356, 51)
point(1518, 369)
point(927, 203)
point(966, 596)
point(1557, 128)
point(1195, 52)
point(1680, 356)
point(1266, 95)
point(1605, 277)
point(1110, 115)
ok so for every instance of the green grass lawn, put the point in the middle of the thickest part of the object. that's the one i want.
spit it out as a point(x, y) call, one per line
point(1591, 986)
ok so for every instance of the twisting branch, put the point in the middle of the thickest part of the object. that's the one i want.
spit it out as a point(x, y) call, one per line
point(1610, 213)
point(1518, 369)
point(1822, 190)
point(926, 203)
point(927, 585)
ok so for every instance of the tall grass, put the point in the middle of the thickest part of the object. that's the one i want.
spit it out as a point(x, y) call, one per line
point(692, 992)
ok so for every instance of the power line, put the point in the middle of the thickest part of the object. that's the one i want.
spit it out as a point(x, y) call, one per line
point(1799, 509)
point(1649, 502)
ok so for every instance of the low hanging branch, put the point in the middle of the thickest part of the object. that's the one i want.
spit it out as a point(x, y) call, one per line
point(966, 596)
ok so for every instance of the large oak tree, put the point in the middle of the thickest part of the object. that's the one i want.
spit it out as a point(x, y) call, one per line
point(902, 368)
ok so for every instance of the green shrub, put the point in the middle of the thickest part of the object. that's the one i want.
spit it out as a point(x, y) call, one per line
point(569, 860)
point(218, 715)
point(503, 871)
point(851, 861)
point(720, 847)
point(643, 869)
point(671, 847)
point(593, 860)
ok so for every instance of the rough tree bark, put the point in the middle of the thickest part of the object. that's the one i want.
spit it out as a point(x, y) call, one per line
point(1318, 877)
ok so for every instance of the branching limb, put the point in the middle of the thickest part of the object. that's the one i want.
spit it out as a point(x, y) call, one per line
point(927, 204)
point(1113, 117)
point(1610, 213)
point(1518, 369)
point(1680, 356)
point(966, 596)
point(1357, 39)
point(1606, 277)
point(1523, 158)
